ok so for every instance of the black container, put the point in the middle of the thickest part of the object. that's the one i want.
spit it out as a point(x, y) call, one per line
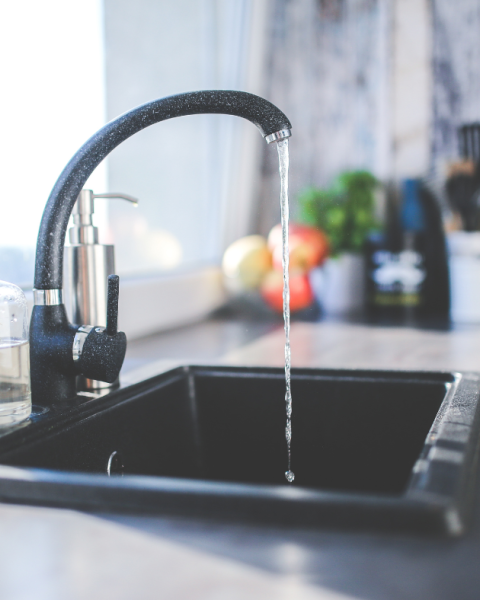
point(407, 272)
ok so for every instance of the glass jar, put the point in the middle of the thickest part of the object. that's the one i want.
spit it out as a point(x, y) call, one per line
point(15, 394)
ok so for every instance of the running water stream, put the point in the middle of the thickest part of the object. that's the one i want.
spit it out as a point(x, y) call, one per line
point(282, 148)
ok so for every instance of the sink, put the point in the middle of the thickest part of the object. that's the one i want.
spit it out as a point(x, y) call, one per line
point(370, 449)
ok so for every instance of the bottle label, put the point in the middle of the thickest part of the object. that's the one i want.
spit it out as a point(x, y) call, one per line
point(398, 278)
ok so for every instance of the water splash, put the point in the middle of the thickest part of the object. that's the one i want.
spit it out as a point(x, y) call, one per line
point(283, 160)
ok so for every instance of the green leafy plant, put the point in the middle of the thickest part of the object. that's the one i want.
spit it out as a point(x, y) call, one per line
point(345, 211)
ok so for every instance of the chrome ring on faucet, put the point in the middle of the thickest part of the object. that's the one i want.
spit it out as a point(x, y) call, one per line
point(79, 341)
point(278, 136)
point(47, 297)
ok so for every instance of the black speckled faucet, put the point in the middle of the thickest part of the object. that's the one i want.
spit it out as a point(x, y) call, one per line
point(59, 351)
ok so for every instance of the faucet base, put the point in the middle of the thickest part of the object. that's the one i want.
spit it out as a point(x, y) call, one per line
point(52, 371)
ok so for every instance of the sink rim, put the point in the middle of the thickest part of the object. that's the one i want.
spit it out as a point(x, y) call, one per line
point(443, 463)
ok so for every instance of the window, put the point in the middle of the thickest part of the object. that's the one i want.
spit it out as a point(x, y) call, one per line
point(70, 67)
point(49, 69)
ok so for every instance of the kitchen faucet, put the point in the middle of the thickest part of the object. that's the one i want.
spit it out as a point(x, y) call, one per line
point(59, 350)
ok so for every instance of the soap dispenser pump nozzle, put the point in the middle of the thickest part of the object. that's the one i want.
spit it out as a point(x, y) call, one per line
point(83, 230)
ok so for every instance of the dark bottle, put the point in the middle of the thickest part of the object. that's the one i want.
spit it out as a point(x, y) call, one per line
point(407, 276)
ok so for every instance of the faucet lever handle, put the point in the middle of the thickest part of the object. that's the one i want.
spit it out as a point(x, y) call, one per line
point(98, 353)
point(112, 304)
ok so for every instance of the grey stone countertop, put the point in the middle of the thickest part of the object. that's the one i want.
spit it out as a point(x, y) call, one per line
point(64, 554)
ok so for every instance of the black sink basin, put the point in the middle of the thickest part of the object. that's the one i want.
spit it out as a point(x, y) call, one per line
point(369, 449)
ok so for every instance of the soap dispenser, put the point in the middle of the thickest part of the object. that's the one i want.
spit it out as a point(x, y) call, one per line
point(87, 265)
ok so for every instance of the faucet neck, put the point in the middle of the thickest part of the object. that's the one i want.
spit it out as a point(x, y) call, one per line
point(49, 259)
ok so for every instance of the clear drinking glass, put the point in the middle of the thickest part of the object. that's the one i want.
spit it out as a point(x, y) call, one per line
point(15, 394)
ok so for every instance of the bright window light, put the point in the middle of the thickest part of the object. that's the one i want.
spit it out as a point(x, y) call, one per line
point(52, 73)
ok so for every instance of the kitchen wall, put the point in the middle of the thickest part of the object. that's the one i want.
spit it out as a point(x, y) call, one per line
point(329, 73)
point(374, 84)
point(456, 74)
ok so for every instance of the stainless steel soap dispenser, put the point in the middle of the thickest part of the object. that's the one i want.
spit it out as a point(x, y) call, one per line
point(87, 265)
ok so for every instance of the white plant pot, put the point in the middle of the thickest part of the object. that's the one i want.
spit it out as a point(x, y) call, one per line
point(339, 284)
point(464, 267)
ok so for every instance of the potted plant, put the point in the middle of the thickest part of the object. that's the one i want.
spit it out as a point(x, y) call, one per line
point(346, 213)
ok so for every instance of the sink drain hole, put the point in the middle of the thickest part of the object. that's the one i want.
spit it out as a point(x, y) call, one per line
point(115, 464)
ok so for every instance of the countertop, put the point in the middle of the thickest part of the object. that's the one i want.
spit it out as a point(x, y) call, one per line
point(54, 553)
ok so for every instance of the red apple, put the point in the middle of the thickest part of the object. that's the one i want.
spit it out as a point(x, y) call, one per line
point(301, 295)
point(308, 246)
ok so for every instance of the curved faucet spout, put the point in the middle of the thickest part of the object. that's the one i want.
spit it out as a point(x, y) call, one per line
point(271, 121)
point(59, 351)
